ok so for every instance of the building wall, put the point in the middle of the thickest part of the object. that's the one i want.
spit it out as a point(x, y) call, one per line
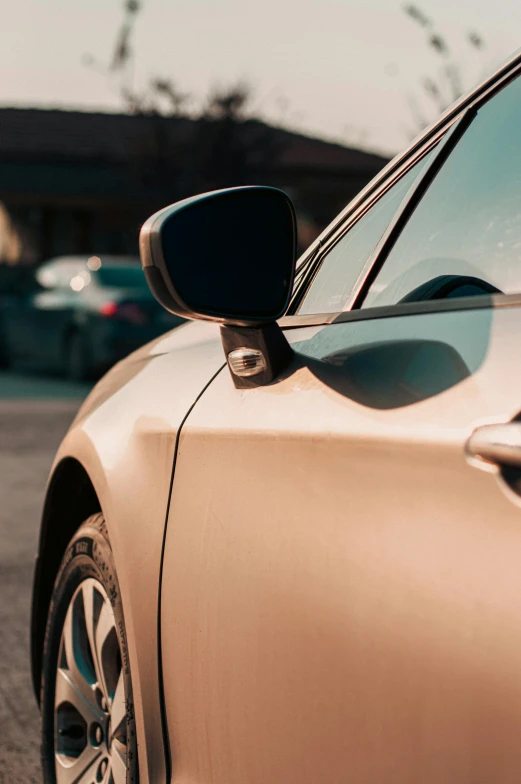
point(58, 207)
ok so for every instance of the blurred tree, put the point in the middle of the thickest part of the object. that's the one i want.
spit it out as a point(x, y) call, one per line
point(228, 137)
point(16, 243)
point(231, 146)
point(122, 51)
point(228, 145)
point(121, 65)
point(446, 85)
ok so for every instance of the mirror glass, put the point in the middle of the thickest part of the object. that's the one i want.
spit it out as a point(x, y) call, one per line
point(232, 253)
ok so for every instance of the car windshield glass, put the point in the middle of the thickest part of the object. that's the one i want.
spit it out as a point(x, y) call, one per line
point(124, 277)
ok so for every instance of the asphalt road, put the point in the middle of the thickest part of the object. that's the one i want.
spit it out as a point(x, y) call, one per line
point(34, 415)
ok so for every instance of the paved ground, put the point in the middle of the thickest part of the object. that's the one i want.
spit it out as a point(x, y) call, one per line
point(34, 415)
point(19, 386)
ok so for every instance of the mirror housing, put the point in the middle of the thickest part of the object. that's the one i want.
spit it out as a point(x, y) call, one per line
point(225, 256)
point(228, 256)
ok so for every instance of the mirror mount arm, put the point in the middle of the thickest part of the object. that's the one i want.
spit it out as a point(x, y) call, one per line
point(255, 355)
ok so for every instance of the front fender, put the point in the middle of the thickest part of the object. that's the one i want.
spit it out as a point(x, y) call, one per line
point(124, 438)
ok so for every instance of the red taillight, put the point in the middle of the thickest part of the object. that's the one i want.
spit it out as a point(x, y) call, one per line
point(128, 311)
point(108, 309)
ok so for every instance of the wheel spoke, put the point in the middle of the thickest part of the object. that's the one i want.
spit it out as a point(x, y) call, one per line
point(118, 710)
point(118, 762)
point(79, 771)
point(78, 693)
point(71, 683)
point(92, 602)
point(104, 627)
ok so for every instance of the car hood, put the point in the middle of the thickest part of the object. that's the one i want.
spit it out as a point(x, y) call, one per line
point(195, 338)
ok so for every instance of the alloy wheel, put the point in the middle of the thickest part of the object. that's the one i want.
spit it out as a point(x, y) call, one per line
point(90, 706)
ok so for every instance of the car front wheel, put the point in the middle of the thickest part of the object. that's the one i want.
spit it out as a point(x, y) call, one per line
point(88, 728)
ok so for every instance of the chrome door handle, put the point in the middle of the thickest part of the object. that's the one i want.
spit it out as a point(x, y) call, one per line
point(496, 444)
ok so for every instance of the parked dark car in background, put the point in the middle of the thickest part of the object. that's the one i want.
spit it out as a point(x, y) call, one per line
point(80, 315)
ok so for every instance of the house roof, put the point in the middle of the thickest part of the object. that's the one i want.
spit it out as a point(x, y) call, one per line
point(89, 136)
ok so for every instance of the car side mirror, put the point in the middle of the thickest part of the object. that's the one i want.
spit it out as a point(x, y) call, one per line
point(228, 256)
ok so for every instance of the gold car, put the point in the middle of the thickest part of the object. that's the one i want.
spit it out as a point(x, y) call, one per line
point(298, 560)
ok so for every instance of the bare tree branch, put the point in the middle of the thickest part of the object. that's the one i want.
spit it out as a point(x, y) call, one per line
point(446, 85)
point(417, 15)
point(476, 40)
point(122, 49)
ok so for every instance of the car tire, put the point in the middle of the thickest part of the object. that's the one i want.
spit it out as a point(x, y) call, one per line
point(78, 364)
point(86, 689)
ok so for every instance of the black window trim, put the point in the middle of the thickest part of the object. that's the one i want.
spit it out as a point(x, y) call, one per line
point(312, 263)
point(494, 301)
point(315, 261)
point(409, 203)
point(453, 123)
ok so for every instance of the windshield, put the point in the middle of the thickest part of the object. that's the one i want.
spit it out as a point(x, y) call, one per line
point(122, 277)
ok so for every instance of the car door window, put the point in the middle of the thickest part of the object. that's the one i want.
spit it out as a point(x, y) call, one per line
point(342, 265)
point(464, 237)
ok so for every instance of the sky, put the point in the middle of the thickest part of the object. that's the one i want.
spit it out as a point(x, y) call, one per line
point(346, 70)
